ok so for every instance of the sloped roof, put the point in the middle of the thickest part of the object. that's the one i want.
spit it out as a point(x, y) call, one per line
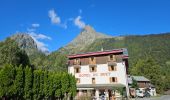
point(140, 78)
point(114, 51)
point(96, 53)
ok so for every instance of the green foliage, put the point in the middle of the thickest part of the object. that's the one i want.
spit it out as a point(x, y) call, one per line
point(36, 84)
point(141, 48)
point(46, 84)
point(7, 77)
point(134, 84)
point(57, 85)
point(23, 83)
point(56, 61)
point(28, 83)
point(64, 83)
point(73, 87)
point(150, 69)
point(19, 81)
point(10, 53)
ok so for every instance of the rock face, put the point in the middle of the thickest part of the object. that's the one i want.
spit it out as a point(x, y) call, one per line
point(25, 42)
point(87, 36)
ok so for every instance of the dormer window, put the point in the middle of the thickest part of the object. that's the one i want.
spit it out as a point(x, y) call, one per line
point(92, 60)
point(112, 58)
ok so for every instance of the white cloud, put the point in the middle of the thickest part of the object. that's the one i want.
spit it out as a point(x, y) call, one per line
point(78, 22)
point(64, 25)
point(41, 45)
point(31, 29)
point(40, 36)
point(35, 25)
point(55, 19)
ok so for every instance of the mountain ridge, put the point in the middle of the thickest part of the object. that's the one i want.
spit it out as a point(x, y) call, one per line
point(87, 36)
point(25, 42)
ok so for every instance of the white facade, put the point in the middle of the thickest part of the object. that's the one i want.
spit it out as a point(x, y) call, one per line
point(102, 75)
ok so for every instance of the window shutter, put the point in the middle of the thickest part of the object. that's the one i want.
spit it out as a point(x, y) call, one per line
point(95, 68)
point(74, 70)
point(114, 58)
point(115, 79)
point(115, 68)
point(108, 58)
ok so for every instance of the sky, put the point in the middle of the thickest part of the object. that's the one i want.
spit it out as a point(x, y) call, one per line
point(54, 23)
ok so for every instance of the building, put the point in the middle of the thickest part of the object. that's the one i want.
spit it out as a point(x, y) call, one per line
point(100, 73)
point(144, 84)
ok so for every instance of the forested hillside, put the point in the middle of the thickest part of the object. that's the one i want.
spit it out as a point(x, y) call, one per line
point(156, 46)
point(21, 79)
point(148, 56)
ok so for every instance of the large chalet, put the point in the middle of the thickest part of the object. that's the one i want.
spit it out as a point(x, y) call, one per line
point(100, 73)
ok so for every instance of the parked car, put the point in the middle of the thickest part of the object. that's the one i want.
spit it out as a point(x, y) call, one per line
point(139, 93)
point(102, 97)
point(146, 94)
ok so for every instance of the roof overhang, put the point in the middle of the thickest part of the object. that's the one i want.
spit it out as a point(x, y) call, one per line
point(96, 53)
point(110, 86)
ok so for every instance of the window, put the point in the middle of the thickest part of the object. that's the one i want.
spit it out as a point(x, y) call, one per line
point(93, 69)
point(76, 61)
point(93, 81)
point(78, 80)
point(77, 70)
point(113, 79)
point(92, 58)
point(112, 58)
point(112, 68)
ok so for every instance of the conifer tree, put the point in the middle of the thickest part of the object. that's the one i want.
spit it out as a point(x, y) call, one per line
point(7, 78)
point(46, 85)
point(36, 85)
point(19, 82)
point(28, 83)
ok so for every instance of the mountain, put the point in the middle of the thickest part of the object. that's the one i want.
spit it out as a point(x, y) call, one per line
point(86, 37)
point(143, 50)
point(139, 46)
point(25, 42)
point(154, 45)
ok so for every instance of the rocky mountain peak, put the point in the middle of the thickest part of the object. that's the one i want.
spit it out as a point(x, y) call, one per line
point(26, 42)
point(88, 29)
point(87, 36)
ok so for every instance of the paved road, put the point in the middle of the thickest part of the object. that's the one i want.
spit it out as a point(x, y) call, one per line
point(164, 97)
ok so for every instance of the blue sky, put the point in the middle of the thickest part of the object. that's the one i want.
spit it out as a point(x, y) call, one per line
point(54, 23)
